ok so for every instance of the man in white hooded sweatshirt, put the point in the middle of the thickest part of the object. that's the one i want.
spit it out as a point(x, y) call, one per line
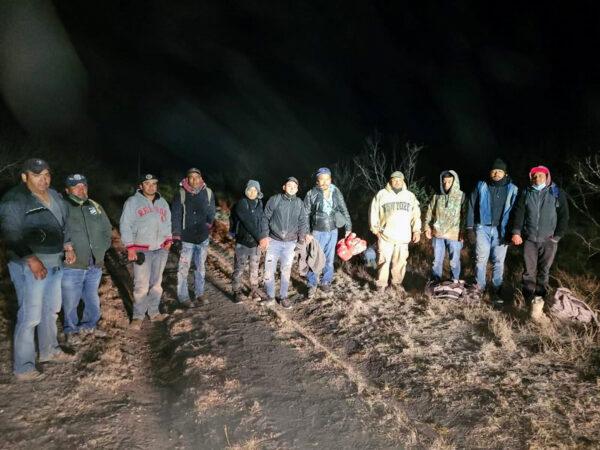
point(395, 218)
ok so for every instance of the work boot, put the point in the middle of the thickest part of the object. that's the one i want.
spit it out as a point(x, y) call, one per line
point(269, 301)
point(31, 375)
point(255, 294)
point(158, 317)
point(326, 288)
point(201, 300)
point(399, 290)
point(73, 339)
point(135, 325)
point(238, 297)
point(186, 304)
point(58, 357)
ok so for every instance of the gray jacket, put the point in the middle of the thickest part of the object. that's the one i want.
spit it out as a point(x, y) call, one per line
point(145, 225)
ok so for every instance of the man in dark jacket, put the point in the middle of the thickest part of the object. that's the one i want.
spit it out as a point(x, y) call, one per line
point(541, 220)
point(489, 209)
point(192, 212)
point(327, 212)
point(251, 229)
point(33, 220)
point(287, 226)
point(91, 234)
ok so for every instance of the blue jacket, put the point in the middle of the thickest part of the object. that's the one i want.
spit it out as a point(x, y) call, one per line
point(480, 205)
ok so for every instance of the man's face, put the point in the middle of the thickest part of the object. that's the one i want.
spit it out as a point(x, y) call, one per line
point(80, 190)
point(149, 187)
point(396, 183)
point(252, 193)
point(38, 183)
point(447, 183)
point(497, 174)
point(324, 181)
point(290, 188)
point(539, 178)
point(194, 180)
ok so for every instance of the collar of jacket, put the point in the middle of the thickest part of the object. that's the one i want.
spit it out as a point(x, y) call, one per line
point(78, 201)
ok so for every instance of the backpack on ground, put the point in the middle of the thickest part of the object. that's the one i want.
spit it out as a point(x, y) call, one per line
point(565, 306)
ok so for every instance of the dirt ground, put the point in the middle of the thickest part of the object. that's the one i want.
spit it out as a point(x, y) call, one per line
point(349, 369)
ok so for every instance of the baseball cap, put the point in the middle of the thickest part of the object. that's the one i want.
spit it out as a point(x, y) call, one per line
point(35, 165)
point(74, 179)
point(147, 177)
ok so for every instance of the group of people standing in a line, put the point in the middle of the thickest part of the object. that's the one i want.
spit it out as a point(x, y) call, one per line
point(56, 244)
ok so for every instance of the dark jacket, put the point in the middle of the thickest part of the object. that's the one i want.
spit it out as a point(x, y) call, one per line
point(251, 224)
point(287, 218)
point(192, 218)
point(29, 227)
point(90, 231)
point(490, 204)
point(318, 219)
point(540, 215)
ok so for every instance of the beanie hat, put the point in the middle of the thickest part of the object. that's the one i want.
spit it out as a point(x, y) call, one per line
point(323, 171)
point(397, 174)
point(499, 165)
point(294, 179)
point(254, 184)
point(538, 169)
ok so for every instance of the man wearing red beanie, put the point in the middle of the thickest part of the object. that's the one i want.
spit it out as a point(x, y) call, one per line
point(540, 221)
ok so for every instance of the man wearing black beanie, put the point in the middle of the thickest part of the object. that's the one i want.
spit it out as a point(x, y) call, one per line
point(488, 212)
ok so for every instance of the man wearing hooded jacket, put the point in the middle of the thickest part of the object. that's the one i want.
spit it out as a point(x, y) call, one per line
point(444, 222)
point(489, 209)
point(193, 212)
point(541, 220)
point(395, 218)
point(251, 229)
point(327, 212)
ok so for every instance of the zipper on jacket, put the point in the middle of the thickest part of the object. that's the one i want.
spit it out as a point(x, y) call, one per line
point(87, 232)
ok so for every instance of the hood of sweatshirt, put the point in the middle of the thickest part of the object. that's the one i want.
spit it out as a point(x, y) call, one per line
point(455, 185)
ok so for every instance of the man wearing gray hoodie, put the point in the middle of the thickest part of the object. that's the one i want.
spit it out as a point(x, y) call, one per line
point(145, 227)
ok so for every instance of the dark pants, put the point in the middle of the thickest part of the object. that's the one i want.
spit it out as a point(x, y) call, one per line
point(242, 255)
point(538, 257)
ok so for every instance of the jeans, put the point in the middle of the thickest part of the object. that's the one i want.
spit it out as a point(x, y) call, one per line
point(439, 252)
point(488, 242)
point(78, 284)
point(284, 251)
point(327, 240)
point(191, 252)
point(538, 257)
point(242, 255)
point(147, 280)
point(39, 304)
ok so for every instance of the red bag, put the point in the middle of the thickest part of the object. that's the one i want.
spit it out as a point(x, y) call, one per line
point(348, 247)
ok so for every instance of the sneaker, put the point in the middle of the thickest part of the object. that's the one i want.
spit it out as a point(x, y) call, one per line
point(255, 294)
point(285, 303)
point(136, 324)
point(238, 297)
point(269, 301)
point(58, 357)
point(158, 317)
point(326, 288)
point(312, 292)
point(31, 375)
point(201, 300)
point(186, 304)
point(97, 332)
point(380, 289)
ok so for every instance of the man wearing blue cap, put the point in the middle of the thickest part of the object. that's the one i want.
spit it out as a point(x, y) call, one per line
point(327, 212)
point(91, 234)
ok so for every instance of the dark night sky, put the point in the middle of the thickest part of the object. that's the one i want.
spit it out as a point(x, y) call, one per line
point(265, 89)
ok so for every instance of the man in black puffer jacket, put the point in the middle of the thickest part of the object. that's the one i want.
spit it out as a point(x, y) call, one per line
point(287, 226)
point(192, 215)
point(327, 212)
point(251, 229)
point(541, 219)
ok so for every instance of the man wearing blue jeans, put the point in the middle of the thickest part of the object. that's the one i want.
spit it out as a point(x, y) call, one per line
point(91, 234)
point(33, 222)
point(327, 212)
point(287, 226)
point(444, 223)
point(146, 227)
point(488, 212)
point(193, 211)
